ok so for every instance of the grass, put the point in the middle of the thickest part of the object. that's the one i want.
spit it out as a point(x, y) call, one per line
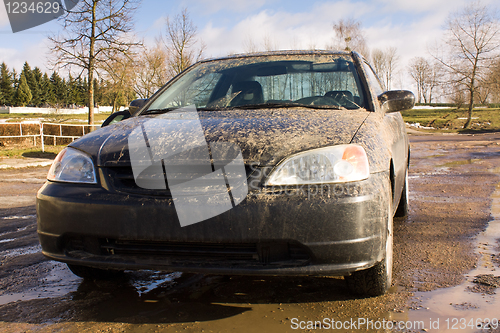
point(20, 151)
point(453, 120)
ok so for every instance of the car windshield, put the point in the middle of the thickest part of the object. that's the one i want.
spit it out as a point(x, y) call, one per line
point(304, 80)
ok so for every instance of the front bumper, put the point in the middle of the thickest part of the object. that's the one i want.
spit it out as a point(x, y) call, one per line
point(328, 230)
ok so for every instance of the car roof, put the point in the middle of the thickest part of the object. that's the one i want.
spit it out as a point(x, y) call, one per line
point(278, 53)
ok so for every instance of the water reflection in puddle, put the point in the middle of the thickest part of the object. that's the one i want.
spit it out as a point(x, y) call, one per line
point(458, 308)
point(59, 282)
point(154, 280)
point(20, 251)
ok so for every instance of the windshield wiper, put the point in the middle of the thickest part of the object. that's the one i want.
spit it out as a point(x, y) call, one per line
point(250, 106)
point(285, 105)
point(158, 111)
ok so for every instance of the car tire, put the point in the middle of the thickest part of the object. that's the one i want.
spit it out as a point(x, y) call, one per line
point(404, 203)
point(92, 273)
point(376, 280)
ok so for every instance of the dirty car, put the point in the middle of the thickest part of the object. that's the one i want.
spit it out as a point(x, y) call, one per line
point(278, 163)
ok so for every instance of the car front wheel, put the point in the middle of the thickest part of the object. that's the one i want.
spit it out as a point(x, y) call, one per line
point(375, 281)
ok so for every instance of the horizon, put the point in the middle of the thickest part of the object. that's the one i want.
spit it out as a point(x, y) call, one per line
point(228, 26)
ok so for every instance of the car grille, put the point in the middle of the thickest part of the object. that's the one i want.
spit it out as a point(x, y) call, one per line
point(121, 179)
point(194, 253)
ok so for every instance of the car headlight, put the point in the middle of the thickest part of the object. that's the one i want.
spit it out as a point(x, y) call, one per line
point(72, 166)
point(336, 164)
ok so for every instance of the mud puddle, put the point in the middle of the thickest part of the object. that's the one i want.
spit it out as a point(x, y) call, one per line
point(471, 306)
point(59, 282)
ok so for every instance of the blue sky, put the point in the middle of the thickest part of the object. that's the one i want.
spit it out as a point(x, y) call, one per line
point(227, 26)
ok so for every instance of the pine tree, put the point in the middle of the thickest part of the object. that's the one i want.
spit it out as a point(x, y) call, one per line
point(31, 81)
point(36, 74)
point(98, 96)
point(81, 87)
point(23, 93)
point(71, 93)
point(58, 89)
point(6, 85)
point(15, 84)
point(46, 92)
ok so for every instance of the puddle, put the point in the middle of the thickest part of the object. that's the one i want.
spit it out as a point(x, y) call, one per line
point(59, 282)
point(7, 240)
point(458, 308)
point(18, 217)
point(11, 232)
point(21, 251)
point(442, 199)
point(440, 171)
point(461, 162)
point(434, 156)
point(154, 281)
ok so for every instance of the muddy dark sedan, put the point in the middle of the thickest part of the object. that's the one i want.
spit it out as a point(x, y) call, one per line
point(283, 163)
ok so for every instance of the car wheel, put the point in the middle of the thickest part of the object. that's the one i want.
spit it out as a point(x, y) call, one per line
point(92, 273)
point(375, 281)
point(402, 210)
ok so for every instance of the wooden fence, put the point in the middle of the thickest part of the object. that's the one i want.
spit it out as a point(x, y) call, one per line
point(45, 133)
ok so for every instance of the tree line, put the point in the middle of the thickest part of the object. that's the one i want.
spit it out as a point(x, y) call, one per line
point(462, 68)
point(33, 88)
point(137, 72)
point(98, 45)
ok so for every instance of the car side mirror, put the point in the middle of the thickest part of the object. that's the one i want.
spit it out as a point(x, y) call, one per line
point(396, 100)
point(116, 117)
point(136, 104)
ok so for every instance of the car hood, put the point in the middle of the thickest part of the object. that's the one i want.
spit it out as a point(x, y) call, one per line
point(265, 137)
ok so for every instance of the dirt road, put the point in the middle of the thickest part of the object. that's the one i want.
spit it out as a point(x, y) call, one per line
point(446, 268)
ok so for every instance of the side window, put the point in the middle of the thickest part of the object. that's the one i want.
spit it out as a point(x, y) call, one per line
point(374, 82)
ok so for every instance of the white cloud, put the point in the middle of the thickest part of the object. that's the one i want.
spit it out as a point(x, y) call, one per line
point(36, 55)
point(4, 19)
point(421, 5)
point(282, 30)
point(313, 28)
point(214, 6)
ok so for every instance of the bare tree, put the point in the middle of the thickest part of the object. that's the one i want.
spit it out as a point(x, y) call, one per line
point(249, 45)
point(494, 81)
point(426, 78)
point(471, 45)
point(94, 32)
point(419, 70)
point(153, 72)
point(378, 63)
point(119, 77)
point(269, 43)
point(350, 34)
point(181, 43)
point(385, 64)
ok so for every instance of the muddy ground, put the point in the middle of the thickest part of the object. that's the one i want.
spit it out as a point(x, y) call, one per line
point(446, 267)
